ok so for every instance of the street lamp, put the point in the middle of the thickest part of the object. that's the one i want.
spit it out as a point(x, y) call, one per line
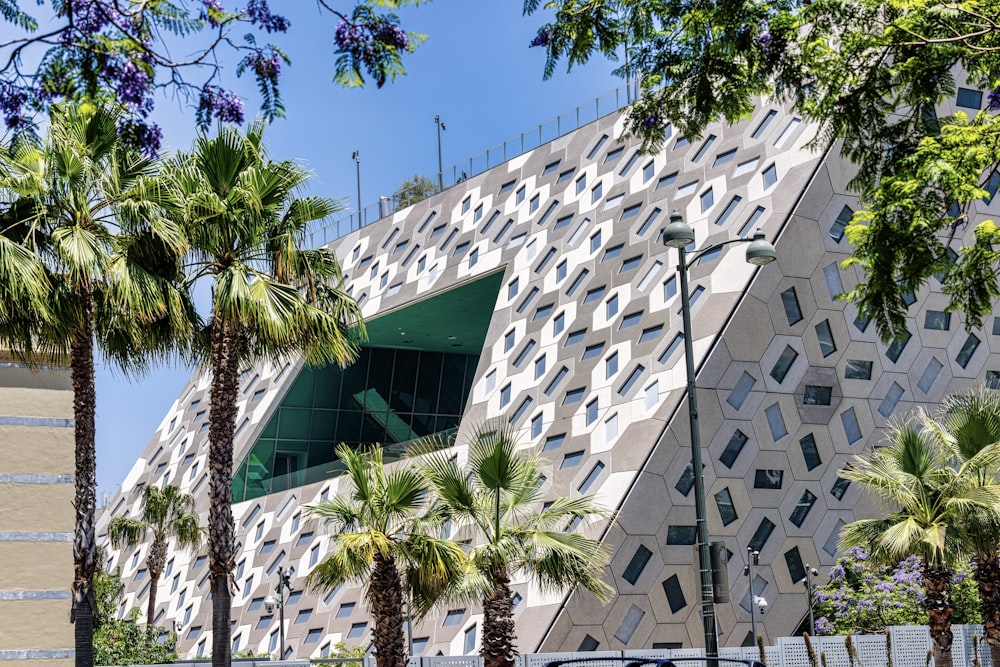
point(810, 593)
point(440, 127)
point(357, 164)
point(283, 588)
point(753, 558)
point(679, 235)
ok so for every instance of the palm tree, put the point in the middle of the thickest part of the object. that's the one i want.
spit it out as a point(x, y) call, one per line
point(927, 489)
point(271, 299)
point(168, 513)
point(82, 257)
point(971, 422)
point(499, 496)
point(380, 539)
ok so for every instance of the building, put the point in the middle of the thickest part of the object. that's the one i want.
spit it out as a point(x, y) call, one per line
point(36, 547)
point(539, 290)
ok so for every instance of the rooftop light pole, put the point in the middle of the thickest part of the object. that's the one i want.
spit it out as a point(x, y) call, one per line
point(679, 235)
point(440, 127)
point(810, 594)
point(357, 164)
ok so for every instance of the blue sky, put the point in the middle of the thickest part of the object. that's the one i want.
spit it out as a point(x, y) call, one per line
point(475, 70)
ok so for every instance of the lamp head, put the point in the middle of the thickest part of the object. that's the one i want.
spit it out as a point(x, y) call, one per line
point(270, 602)
point(677, 234)
point(760, 251)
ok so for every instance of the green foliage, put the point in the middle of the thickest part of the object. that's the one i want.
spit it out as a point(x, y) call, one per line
point(866, 597)
point(125, 642)
point(416, 188)
point(871, 74)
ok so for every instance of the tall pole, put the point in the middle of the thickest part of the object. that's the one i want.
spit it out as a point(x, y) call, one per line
point(810, 592)
point(357, 164)
point(284, 586)
point(701, 521)
point(440, 126)
point(751, 557)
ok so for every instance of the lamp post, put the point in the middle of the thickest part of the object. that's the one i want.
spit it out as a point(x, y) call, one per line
point(357, 163)
point(283, 588)
point(753, 558)
point(810, 593)
point(679, 235)
point(440, 127)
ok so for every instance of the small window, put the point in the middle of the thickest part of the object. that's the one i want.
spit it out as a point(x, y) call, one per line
point(681, 142)
point(571, 460)
point(596, 192)
point(573, 396)
point(631, 320)
point(670, 288)
point(834, 285)
point(787, 132)
point(728, 211)
point(897, 346)
point(817, 395)
point(588, 644)
point(723, 158)
point(667, 180)
point(629, 164)
point(563, 221)
point(592, 476)
point(647, 171)
point(740, 392)
point(519, 195)
point(648, 222)
point(930, 374)
point(632, 378)
point(810, 452)
point(674, 345)
point(592, 351)
point(784, 363)
point(888, 404)
point(969, 98)
point(357, 630)
point(651, 334)
point(703, 149)
point(764, 123)
point(852, 430)
point(575, 337)
point(752, 222)
point(525, 351)
point(554, 442)
point(858, 369)
point(681, 535)
point(793, 561)
point(824, 335)
point(768, 479)
point(631, 264)
point(508, 340)
point(839, 488)
point(840, 224)
point(724, 503)
point(710, 255)
point(595, 241)
point(707, 199)
point(733, 448)
point(936, 319)
point(506, 187)
point(687, 189)
point(505, 395)
point(635, 566)
point(802, 508)
point(593, 408)
point(536, 426)
point(761, 535)
point(686, 480)
point(561, 268)
point(577, 282)
point(563, 372)
point(581, 184)
point(776, 422)
point(614, 154)
point(968, 349)
point(613, 252)
point(630, 212)
point(595, 294)
point(566, 175)
point(550, 167)
point(675, 596)
point(611, 365)
point(770, 176)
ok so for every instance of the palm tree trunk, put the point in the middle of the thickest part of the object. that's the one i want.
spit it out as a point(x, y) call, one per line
point(988, 581)
point(221, 532)
point(498, 648)
point(385, 600)
point(155, 562)
point(939, 606)
point(85, 501)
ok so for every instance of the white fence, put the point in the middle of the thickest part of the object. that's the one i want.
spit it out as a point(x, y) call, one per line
point(909, 645)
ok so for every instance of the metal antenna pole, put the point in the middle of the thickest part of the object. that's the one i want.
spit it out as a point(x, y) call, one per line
point(440, 126)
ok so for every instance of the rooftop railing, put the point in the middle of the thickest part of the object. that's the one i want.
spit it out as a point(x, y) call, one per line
point(543, 133)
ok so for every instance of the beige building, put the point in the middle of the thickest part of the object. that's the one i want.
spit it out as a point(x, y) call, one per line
point(36, 514)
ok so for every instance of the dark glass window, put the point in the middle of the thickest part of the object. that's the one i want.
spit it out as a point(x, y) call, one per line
point(588, 644)
point(631, 320)
point(592, 476)
point(682, 535)
point(793, 561)
point(740, 392)
point(733, 448)
point(761, 535)
point(574, 396)
point(840, 488)
point(770, 176)
point(577, 282)
point(686, 481)
point(674, 344)
point(703, 149)
point(802, 508)
point(571, 460)
point(592, 351)
point(858, 369)
point(825, 336)
point(554, 441)
point(563, 372)
point(784, 363)
point(764, 123)
point(724, 503)
point(648, 222)
point(632, 378)
point(731, 207)
point(675, 596)
point(790, 300)
point(594, 294)
point(897, 346)
point(851, 428)
point(775, 422)
point(576, 336)
point(768, 479)
point(810, 452)
point(525, 351)
point(817, 395)
point(891, 400)
point(969, 98)
point(936, 319)
point(631, 264)
point(651, 334)
point(840, 224)
point(667, 180)
point(968, 349)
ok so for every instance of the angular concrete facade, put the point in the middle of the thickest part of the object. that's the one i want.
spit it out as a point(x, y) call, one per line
point(583, 352)
point(36, 524)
